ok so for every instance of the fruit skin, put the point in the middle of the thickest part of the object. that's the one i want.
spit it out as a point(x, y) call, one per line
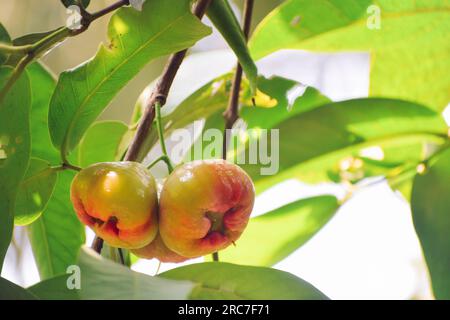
point(158, 250)
point(204, 207)
point(118, 201)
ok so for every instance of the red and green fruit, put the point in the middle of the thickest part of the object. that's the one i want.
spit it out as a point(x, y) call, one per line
point(118, 201)
point(204, 207)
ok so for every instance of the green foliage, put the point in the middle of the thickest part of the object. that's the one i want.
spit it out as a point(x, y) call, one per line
point(103, 279)
point(430, 207)
point(11, 291)
point(338, 132)
point(223, 18)
point(54, 289)
point(34, 192)
point(14, 150)
point(134, 40)
point(43, 84)
point(271, 237)
point(57, 235)
point(218, 280)
point(100, 142)
point(409, 50)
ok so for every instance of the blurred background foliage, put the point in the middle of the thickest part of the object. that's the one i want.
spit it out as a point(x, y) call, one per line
point(30, 16)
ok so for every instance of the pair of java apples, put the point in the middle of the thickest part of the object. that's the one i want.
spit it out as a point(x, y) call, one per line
point(204, 206)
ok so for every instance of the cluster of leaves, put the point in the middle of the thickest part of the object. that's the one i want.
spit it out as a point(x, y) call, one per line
point(44, 121)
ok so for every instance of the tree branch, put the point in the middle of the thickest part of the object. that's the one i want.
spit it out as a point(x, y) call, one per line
point(160, 92)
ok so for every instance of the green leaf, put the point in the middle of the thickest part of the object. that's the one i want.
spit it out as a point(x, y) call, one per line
point(4, 38)
point(54, 289)
point(330, 140)
point(34, 192)
point(11, 291)
point(101, 141)
point(68, 3)
point(57, 235)
point(223, 18)
point(43, 84)
point(430, 205)
point(408, 52)
point(272, 105)
point(14, 150)
point(135, 39)
point(289, 228)
point(103, 279)
point(225, 281)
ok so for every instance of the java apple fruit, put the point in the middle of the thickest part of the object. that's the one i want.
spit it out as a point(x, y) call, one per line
point(158, 250)
point(118, 201)
point(204, 207)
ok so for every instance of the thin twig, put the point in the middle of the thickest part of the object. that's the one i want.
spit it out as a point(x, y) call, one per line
point(109, 9)
point(231, 115)
point(160, 92)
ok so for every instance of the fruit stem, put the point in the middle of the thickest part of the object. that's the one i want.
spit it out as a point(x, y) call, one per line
point(162, 158)
point(162, 142)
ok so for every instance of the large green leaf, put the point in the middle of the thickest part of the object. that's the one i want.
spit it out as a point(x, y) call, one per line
point(34, 191)
point(430, 204)
point(11, 291)
point(327, 141)
point(135, 38)
point(223, 18)
point(101, 141)
point(57, 235)
point(225, 281)
point(409, 53)
point(55, 289)
point(105, 280)
point(14, 150)
point(43, 84)
point(271, 237)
